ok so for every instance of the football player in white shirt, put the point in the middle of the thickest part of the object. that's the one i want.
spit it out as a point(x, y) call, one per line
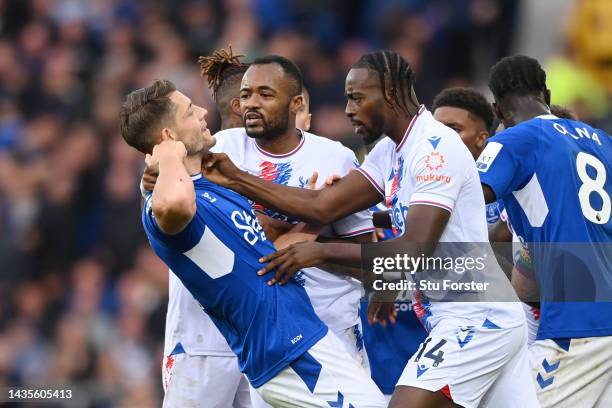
point(278, 149)
point(476, 353)
point(199, 368)
point(270, 146)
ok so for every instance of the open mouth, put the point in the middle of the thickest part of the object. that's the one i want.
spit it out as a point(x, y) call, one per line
point(252, 118)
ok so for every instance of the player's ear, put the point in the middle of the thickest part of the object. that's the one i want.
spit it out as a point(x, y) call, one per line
point(498, 111)
point(547, 97)
point(296, 103)
point(166, 134)
point(235, 106)
point(481, 139)
point(307, 122)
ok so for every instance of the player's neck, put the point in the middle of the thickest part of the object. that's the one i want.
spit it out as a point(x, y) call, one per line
point(523, 116)
point(402, 121)
point(281, 144)
point(397, 131)
point(525, 108)
point(193, 164)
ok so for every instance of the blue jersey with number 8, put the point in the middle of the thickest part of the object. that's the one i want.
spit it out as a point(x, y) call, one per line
point(555, 179)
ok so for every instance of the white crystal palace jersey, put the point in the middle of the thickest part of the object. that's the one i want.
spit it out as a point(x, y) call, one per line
point(188, 326)
point(432, 166)
point(335, 298)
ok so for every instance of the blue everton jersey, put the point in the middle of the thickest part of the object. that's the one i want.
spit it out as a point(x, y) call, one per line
point(389, 348)
point(216, 257)
point(493, 212)
point(555, 179)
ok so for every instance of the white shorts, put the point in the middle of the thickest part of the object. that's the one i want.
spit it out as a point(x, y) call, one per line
point(532, 315)
point(351, 339)
point(578, 376)
point(474, 366)
point(204, 381)
point(325, 376)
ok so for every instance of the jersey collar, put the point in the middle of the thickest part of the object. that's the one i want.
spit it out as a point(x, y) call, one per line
point(410, 126)
point(548, 116)
point(280, 156)
point(195, 177)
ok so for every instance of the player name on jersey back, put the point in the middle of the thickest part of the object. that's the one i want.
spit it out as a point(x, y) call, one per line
point(553, 176)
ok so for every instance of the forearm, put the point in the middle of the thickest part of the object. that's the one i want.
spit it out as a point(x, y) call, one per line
point(301, 203)
point(344, 254)
point(350, 194)
point(526, 289)
point(345, 270)
point(500, 233)
point(382, 219)
point(174, 192)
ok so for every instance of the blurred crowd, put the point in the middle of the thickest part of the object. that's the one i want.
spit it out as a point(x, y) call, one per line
point(82, 297)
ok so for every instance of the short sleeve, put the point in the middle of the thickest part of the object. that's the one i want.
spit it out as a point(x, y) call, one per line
point(439, 174)
point(373, 167)
point(360, 222)
point(508, 161)
point(183, 241)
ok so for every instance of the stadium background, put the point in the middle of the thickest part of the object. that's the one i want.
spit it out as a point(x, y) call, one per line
point(82, 297)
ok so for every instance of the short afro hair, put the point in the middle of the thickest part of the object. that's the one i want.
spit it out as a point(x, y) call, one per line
point(289, 68)
point(470, 100)
point(519, 75)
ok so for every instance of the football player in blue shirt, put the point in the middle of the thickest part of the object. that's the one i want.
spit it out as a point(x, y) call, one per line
point(554, 178)
point(468, 113)
point(211, 239)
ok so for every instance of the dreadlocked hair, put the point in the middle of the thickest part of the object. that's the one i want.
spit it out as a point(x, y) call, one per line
point(219, 66)
point(519, 74)
point(395, 75)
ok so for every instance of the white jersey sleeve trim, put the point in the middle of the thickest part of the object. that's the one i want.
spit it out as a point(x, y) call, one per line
point(372, 181)
point(436, 200)
point(356, 232)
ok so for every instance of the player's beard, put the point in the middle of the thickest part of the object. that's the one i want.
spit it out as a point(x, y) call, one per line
point(193, 149)
point(374, 132)
point(274, 128)
point(198, 146)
